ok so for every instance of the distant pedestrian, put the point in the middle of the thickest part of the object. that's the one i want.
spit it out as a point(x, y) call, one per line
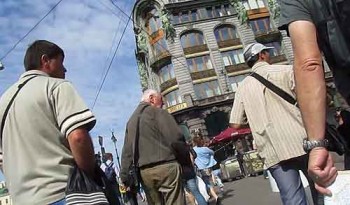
point(205, 162)
point(45, 131)
point(160, 172)
point(276, 124)
point(111, 170)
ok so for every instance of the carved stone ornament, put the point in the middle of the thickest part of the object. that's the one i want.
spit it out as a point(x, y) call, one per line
point(241, 11)
point(143, 74)
point(274, 8)
point(142, 41)
point(226, 109)
point(170, 32)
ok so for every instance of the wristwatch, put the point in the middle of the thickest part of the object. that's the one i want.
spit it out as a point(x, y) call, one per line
point(309, 145)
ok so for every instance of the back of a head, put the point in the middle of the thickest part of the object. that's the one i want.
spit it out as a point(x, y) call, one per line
point(251, 53)
point(147, 93)
point(32, 59)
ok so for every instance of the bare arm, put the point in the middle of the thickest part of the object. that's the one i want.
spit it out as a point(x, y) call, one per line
point(82, 150)
point(309, 77)
point(311, 95)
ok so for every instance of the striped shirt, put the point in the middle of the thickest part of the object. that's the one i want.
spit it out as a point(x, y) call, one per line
point(36, 155)
point(276, 125)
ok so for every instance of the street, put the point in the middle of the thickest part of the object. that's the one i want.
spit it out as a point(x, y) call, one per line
point(256, 190)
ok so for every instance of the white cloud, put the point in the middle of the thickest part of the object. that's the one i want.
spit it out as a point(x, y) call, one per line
point(85, 30)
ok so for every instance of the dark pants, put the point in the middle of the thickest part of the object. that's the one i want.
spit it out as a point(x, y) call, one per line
point(163, 185)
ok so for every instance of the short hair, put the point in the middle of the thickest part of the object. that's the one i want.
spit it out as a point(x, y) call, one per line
point(32, 58)
point(251, 62)
point(108, 155)
point(147, 93)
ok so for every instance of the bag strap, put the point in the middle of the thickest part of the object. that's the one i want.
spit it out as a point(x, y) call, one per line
point(283, 94)
point(20, 86)
point(137, 137)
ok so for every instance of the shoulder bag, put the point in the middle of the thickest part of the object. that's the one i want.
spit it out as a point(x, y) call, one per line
point(337, 142)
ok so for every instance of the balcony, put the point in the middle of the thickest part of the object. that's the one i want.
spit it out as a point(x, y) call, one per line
point(214, 99)
point(203, 74)
point(258, 13)
point(278, 59)
point(167, 84)
point(268, 36)
point(160, 60)
point(237, 67)
point(230, 42)
point(195, 49)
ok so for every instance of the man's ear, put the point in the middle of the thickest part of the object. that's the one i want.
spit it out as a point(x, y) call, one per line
point(44, 61)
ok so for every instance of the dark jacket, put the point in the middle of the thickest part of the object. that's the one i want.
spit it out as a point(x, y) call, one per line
point(158, 130)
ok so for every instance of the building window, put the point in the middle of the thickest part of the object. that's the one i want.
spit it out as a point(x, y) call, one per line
point(166, 73)
point(277, 48)
point(159, 47)
point(236, 80)
point(192, 39)
point(224, 33)
point(173, 98)
point(199, 63)
point(207, 89)
point(232, 57)
point(253, 4)
point(261, 25)
point(186, 16)
point(153, 23)
point(218, 11)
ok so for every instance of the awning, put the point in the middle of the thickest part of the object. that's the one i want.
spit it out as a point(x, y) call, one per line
point(230, 134)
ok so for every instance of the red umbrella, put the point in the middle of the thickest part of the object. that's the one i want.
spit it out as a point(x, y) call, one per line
point(230, 134)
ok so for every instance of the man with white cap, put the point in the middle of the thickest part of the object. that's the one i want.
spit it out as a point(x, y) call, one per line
point(276, 124)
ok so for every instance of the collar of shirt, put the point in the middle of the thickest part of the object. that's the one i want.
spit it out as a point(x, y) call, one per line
point(258, 65)
point(33, 72)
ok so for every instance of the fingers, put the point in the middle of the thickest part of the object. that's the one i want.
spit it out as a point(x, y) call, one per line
point(323, 190)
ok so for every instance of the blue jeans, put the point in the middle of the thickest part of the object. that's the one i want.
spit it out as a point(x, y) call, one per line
point(288, 180)
point(192, 186)
point(60, 202)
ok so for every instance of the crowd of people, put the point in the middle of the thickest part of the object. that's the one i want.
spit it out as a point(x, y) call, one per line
point(45, 124)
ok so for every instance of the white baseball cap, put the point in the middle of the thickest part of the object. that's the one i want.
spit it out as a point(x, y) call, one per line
point(253, 49)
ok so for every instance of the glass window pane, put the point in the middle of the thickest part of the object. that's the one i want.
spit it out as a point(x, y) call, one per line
point(184, 17)
point(210, 12)
point(253, 4)
point(261, 3)
point(190, 64)
point(194, 15)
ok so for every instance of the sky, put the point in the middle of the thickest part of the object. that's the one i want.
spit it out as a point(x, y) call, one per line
point(88, 31)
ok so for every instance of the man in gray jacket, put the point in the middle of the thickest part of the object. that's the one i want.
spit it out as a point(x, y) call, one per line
point(159, 170)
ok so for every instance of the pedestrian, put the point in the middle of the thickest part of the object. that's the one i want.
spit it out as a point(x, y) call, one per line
point(159, 170)
point(276, 125)
point(111, 171)
point(204, 162)
point(190, 178)
point(45, 131)
point(313, 28)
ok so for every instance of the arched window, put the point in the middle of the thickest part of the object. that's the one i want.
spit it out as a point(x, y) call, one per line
point(172, 98)
point(226, 32)
point(190, 39)
point(152, 20)
point(166, 73)
point(207, 89)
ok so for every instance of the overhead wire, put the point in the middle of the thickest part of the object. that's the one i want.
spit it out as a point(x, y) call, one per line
point(21, 39)
point(110, 50)
point(110, 64)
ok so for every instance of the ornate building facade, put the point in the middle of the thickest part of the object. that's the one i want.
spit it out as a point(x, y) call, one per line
point(192, 52)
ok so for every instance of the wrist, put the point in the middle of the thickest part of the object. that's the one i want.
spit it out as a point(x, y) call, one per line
point(309, 145)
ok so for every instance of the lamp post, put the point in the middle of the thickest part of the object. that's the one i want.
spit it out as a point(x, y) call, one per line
point(103, 152)
point(114, 139)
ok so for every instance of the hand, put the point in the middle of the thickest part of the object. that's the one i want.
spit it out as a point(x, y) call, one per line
point(321, 169)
